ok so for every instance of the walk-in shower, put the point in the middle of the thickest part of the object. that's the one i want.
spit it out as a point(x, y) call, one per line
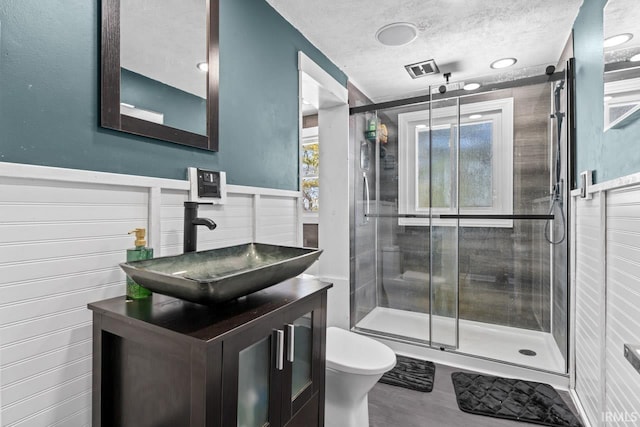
point(448, 229)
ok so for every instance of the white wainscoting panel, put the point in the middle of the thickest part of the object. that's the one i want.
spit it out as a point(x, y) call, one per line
point(607, 307)
point(623, 305)
point(589, 294)
point(62, 235)
point(274, 221)
point(234, 222)
point(60, 245)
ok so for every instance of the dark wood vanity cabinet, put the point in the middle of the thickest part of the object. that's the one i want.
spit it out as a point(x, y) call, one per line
point(256, 361)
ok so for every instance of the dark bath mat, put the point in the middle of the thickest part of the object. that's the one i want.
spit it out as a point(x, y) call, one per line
point(512, 399)
point(411, 373)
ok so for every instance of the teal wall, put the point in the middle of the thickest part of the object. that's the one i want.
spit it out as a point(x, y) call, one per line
point(49, 87)
point(610, 154)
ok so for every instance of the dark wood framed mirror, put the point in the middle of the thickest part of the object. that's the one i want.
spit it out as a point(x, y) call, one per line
point(152, 81)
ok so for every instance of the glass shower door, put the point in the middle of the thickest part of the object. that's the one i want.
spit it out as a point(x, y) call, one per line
point(364, 260)
point(449, 248)
point(439, 191)
point(390, 257)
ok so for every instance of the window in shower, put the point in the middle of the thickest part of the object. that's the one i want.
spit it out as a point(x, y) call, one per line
point(481, 162)
point(476, 160)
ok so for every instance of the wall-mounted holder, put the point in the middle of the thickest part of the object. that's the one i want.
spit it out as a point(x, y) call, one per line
point(207, 186)
point(632, 354)
point(586, 181)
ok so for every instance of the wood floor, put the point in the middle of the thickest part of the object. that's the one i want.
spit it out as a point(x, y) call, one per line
point(391, 406)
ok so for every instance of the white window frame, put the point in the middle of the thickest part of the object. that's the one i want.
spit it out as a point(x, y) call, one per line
point(623, 92)
point(501, 112)
point(309, 136)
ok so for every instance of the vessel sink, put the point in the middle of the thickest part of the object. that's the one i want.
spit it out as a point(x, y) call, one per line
point(219, 275)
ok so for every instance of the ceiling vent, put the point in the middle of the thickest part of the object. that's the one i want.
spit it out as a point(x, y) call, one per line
point(421, 69)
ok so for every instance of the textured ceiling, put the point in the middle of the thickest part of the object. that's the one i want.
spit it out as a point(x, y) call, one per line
point(622, 16)
point(463, 36)
point(165, 40)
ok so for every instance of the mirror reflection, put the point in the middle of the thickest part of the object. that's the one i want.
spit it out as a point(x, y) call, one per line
point(161, 44)
point(622, 62)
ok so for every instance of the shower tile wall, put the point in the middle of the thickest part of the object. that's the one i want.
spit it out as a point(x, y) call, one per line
point(503, 272)
point(403, 251)
point(530, 296)
point(365, 291)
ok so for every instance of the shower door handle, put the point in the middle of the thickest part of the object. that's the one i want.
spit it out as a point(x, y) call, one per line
point(365, 197)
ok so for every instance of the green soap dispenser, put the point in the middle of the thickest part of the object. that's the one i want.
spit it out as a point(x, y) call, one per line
point(140, 252)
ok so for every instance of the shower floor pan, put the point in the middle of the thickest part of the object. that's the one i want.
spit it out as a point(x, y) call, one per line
point(479, 339)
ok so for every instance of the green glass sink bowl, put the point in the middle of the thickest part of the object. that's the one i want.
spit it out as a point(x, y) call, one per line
point(219, 275)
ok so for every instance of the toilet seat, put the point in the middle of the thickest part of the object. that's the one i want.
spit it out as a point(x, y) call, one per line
point(356, 354)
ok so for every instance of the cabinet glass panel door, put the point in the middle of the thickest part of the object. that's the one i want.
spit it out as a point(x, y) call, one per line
point(253, 384)
point(302, 345)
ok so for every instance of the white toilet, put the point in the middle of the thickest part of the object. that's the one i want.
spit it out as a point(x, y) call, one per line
point(354, 364)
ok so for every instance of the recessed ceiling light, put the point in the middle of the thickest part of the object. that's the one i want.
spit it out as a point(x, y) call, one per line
point(471, 86)
point(203, 66)
point(635, 58)
point(397, 34)
point(475, 116)
point(503, 63)
point(617, 40)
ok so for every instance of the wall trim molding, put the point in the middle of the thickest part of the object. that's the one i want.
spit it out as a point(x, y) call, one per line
point(50, 173)
point(572, 297)
point(612, 184)
point(607, 254)
point(262, 191)
point(579, 407)
point(316, 72)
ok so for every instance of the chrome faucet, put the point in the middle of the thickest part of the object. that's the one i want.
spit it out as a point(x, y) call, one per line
point(191, 223)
